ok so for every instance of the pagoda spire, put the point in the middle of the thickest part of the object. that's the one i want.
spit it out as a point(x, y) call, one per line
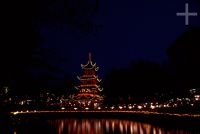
point(90, 57)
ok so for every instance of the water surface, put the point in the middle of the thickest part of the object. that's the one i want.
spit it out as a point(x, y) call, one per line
point(95, 126)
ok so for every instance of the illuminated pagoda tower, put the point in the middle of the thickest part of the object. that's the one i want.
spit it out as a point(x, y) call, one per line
point(88, 95)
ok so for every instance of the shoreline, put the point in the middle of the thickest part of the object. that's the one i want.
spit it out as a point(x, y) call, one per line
point(102, 112)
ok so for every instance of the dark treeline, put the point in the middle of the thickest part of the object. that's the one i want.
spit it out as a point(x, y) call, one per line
point(141, 79)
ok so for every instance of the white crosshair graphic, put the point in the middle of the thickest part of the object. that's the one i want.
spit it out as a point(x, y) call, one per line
point(186, 14)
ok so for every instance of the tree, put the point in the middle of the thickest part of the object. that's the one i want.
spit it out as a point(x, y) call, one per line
point(22, 55)
point(141, 79)
point(185, 58)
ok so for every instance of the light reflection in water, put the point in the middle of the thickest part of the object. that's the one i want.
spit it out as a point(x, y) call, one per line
point(103, 126)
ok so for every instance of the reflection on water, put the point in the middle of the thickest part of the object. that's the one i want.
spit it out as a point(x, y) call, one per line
point(108, 126)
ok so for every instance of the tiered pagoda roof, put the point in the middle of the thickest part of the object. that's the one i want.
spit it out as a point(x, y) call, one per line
point(89, 64)
point(89, 77)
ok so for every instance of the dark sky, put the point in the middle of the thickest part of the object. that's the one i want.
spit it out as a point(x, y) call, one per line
point(115, 32)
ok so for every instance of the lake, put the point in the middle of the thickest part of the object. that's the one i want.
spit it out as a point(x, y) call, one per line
point(93, 126)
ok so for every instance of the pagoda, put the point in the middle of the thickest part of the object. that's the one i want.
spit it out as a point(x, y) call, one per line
point(88, 95)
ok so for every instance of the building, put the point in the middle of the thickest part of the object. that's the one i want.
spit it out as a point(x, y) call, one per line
point(88, 91)
point(195, 94)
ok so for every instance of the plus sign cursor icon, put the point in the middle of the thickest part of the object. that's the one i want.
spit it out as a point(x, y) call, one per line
point(187, 14)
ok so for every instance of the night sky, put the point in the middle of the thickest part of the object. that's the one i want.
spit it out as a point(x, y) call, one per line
point(115, 32)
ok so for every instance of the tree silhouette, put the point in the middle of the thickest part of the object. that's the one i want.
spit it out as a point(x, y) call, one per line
point(25, 63)
point(185, 57)
point(140, 80)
